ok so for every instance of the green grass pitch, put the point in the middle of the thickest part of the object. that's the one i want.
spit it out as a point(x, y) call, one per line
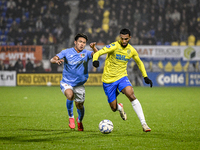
point(35, 118)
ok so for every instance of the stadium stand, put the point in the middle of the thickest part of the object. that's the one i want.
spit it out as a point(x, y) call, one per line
point(154, 22)
point(167, 15)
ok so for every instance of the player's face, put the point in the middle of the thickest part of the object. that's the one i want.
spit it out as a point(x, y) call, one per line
point(124, 38)
point(80, 44)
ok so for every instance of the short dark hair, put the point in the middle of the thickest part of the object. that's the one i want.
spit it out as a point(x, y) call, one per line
point(125, 31)
point(81, 35)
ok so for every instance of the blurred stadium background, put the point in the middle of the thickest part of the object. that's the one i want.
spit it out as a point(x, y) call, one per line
point(166, 34)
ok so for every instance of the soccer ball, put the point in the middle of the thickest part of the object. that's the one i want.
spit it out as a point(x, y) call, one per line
point(106, 126)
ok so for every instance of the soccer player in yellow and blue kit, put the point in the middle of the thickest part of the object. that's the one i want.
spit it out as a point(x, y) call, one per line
point(115, 78)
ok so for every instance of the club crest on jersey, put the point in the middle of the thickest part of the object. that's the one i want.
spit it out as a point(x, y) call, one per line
point(82, 55)
point(128, 51)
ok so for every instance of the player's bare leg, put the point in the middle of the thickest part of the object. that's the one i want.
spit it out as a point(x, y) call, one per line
point(115, 106)
point(128, 91)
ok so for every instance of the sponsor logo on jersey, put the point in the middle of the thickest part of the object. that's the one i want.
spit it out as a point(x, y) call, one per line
point(121, 57)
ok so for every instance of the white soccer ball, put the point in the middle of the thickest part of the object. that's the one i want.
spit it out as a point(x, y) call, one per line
point(106, 126)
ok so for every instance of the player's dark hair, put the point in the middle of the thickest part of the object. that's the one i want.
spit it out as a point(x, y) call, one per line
point(81, 35)
point(125, 31)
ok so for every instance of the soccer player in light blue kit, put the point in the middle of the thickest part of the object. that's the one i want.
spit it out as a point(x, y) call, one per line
point(75, 74)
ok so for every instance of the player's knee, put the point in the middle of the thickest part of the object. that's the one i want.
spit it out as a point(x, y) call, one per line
point(70, 96)
point(131, 97)
point(114, 109)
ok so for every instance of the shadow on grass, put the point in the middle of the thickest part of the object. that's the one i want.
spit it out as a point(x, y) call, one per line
point(42, 135)
point(24, 135)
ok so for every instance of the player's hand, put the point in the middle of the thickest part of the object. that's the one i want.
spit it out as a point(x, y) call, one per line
point(148, 81)
point(92, 45)
point(96, 63)
point(60, 61)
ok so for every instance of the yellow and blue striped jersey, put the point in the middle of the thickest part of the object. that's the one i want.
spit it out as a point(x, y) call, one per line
point(116, 61)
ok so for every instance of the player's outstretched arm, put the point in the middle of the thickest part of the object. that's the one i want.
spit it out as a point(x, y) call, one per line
point(95, 63)
point(92, 45)
point(56, 60)
point(148, 81)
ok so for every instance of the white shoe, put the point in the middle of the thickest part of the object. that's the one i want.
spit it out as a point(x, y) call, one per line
point(122, 112)
point(146, 128)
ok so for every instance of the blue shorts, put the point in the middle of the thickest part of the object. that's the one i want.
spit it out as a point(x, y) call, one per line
point(112, 89)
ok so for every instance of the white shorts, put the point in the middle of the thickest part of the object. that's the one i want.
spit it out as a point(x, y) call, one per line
point(79, 91)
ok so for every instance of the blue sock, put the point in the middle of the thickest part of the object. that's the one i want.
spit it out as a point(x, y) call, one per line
point(81, 113)
point(70, 106)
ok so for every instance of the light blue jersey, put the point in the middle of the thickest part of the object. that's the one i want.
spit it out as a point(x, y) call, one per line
point(75, 71)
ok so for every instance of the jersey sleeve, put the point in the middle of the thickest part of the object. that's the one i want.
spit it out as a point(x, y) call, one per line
point(107, 49)
point(61, 54)
point(139, 63)
point(89, 54)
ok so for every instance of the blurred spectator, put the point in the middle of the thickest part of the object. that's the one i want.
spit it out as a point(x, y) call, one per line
point(19, 12)
point(20, 3)
point(39, 67)
point(144, 15)
point(134, 39)
point(15, 26)
point(2, 65)
point(36, 40)
point(19, 66)
point(24, 23)
point(10, 67)
point(12, 34)
point(191, 27)
point(11, 12)
point(2, 23)
point(30, 22)
point(29, 66)
point(167, 37)
point(175, 35)
point(161, 3)
point(65, 35)
point(34, 11)
point(137, 15)
point(29, 33)
point(54, 67)
point(176, 15)
point(198, 31)
point(149, 40)
point(46, 22)
point(11, 3)
point(19, 36)
point(51, 39)
point(160, 22)
point(97, 22)
point(43, 40)
point(58, 32)
point(143, 27)
point(65, 10)
point(39, 23)
point(159, 34)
